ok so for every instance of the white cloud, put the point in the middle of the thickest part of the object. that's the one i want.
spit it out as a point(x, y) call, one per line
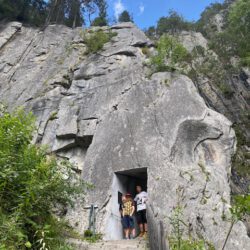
point(141, 8)
point(118, 8)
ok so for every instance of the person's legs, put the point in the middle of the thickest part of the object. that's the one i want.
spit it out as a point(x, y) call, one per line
point(140, 222)
point(127, 233)
point(144, 220)
point(133, 233)
point(141, 228)
point(126, 226)
point(132, 227)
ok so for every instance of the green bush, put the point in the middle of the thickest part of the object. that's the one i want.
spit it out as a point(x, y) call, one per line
point(239, 209)
point(226, 90)
point(95, 41)
point(178, 240)
point(169, 53)
point(88, 233)
point(241, 206)
point(32, 184)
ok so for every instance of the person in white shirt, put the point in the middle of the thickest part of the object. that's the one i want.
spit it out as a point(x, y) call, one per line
point(141, 215)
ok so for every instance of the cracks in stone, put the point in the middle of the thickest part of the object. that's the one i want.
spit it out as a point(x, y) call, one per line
point(67, 94)
point(200, 223)
point(143, 45)
point(68, 80)
point(20, 94)
point(133, 142)
point(204, 197)
point(115, 107)
point(24, 54)
point(120, 27)
point(126, 90)
point(90, 118)
point(89, 77)
point(125, 53)
point(157, 127)
point(207, 100)
point(208, 138)
point(118, 82)
point(105, 203)
point(82, 142)
point(11, 38)
point(29, 99)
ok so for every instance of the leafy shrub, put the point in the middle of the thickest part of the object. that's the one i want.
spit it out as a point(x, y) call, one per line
point(91, 237)
point(169, 53)
point(32, 184)
point(226, 90)
point(240, 208)
point(245, 60)
point(88, 233)
point(95, 41)
point(177, 240)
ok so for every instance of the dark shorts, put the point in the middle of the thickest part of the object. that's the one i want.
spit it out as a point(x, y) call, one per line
point(128, 222)
point(141, 216)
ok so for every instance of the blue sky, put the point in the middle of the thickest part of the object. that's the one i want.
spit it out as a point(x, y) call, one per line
point(147, 12)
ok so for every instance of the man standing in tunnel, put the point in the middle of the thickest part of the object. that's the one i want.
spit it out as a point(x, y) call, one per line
point(141, 216)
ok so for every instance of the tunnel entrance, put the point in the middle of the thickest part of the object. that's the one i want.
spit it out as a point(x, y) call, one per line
point(123, 182)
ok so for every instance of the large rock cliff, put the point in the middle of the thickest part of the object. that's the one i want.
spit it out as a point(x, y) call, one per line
point(102, 113)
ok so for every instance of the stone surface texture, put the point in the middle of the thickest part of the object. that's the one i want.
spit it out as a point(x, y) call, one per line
point(102, 113)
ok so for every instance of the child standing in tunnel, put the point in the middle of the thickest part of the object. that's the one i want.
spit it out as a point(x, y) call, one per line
point(128, 210)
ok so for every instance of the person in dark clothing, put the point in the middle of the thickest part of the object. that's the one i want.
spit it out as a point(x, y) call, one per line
point(141, 216)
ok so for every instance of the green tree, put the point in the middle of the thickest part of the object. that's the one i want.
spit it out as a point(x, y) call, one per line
point(204, 24)
point(151, 32)
point(169, 53)
point(172, 24)
point(125, 17)
point(75, 17)
point(101, 20)
point(239, 25)
point(32, 184)
point(27, 11)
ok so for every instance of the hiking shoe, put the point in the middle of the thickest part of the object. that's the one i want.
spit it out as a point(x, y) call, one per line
point(141, 234)
point(145, 235)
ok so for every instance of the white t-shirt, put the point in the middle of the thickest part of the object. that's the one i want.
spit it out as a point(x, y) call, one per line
point(140, 200)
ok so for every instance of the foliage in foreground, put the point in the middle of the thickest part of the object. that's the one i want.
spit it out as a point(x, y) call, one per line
point(240, 209)
point(32, 185)
point(177, 240)
point(169, 53)
point(91, 237)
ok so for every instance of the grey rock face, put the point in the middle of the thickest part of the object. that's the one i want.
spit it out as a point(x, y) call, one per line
point(102, 114)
